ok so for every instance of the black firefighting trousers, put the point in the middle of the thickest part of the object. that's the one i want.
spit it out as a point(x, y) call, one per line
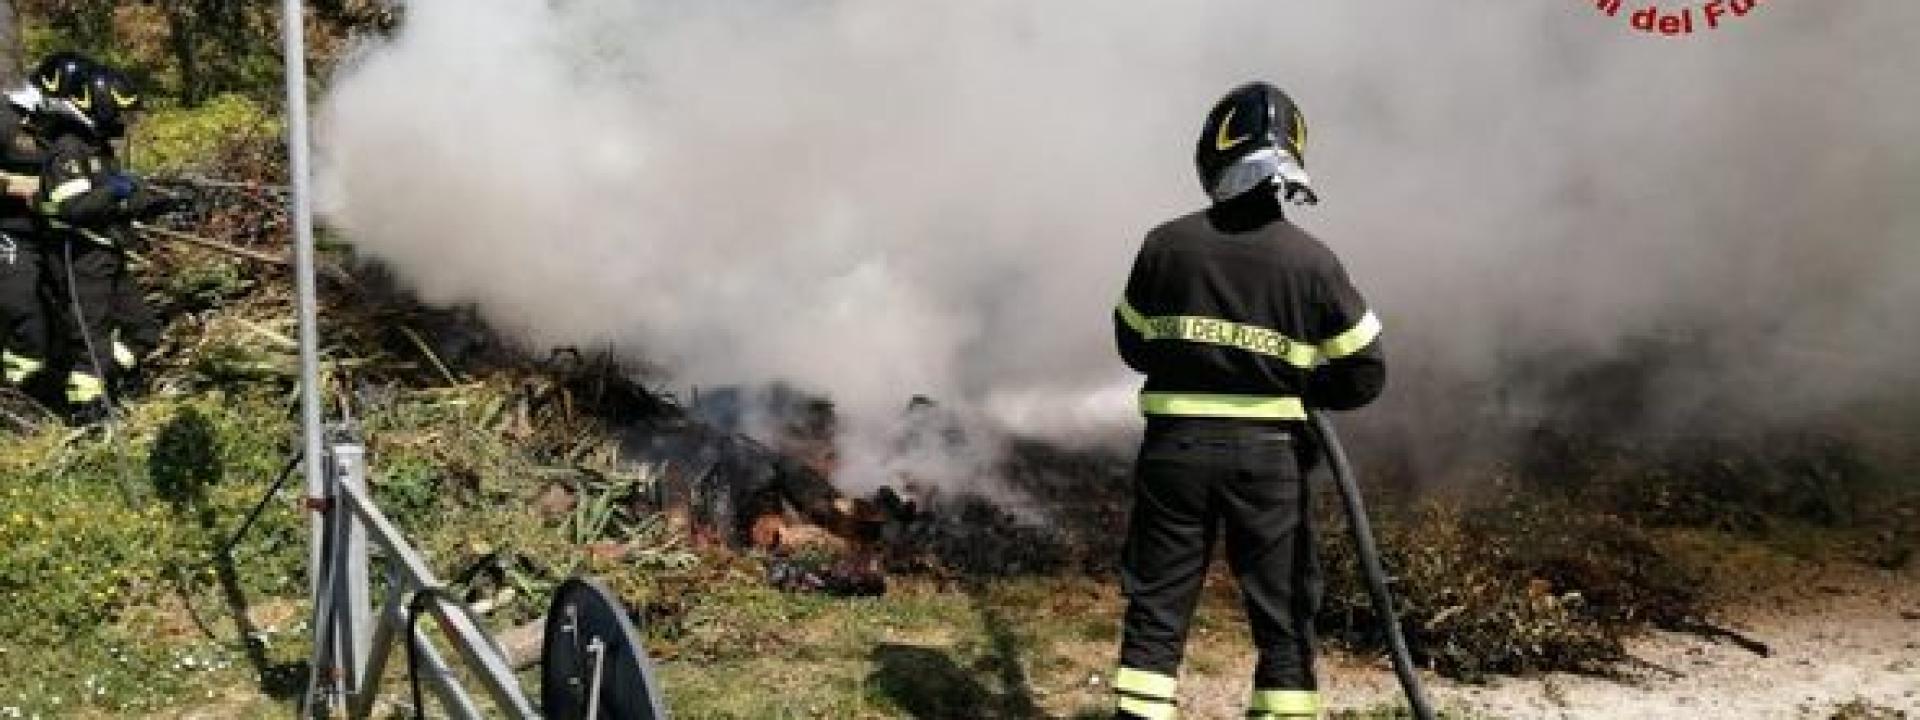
point(108, 327)
point(25, 324)
point(1195, 479)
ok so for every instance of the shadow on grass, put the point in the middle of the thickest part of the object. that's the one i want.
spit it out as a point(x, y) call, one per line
point(1008, 656)
point(928, 684)
point(184, 463)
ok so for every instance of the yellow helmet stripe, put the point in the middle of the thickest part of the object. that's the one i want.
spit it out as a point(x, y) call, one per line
point(1299, 133)
point(1221, 141)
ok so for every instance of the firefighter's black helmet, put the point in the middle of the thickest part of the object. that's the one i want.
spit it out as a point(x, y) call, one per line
point(1253, 134)
point(63, 74)
point(81, 91)
point(106, 98)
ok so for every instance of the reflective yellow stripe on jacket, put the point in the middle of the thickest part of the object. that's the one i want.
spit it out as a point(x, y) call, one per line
point(1354, 340)
point(1252, 338)
point(1225, 333)
point(1243, 407)
point(68, 190)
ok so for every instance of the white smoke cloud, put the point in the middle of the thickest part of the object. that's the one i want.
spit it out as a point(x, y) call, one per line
point(878, 199)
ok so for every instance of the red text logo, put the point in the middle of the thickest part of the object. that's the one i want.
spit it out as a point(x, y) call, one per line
point(1671, 19)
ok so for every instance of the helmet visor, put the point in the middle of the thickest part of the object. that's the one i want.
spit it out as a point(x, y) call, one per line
point(1250, 171)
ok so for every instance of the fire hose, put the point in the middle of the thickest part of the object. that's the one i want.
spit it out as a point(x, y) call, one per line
point(1369, 554)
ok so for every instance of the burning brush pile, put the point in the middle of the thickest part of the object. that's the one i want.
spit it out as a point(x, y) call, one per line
point(1050, 511)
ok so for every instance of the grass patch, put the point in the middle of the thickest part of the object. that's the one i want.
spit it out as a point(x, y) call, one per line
point(988, 650)
point(116, 537)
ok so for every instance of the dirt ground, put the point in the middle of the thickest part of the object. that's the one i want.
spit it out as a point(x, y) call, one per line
point(1842, 640)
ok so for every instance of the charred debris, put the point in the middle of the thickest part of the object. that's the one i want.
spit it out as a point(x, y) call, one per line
point(769, 489)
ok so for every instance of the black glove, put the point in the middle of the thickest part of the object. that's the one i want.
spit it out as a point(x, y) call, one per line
point(170, 203)
point(148, 203)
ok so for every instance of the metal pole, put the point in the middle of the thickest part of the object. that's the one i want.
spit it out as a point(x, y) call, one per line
point(294, 51)
point(353, 590)
point(1369, 554)
point(297, 149)
point(299, 170)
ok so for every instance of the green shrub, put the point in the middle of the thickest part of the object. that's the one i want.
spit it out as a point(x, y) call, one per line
point(173, 140)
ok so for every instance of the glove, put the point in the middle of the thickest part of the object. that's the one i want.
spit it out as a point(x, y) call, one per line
point(122, 185)
point(163, 204)
point(148, 203)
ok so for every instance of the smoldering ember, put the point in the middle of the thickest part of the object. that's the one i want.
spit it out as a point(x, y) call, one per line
point(986, 359)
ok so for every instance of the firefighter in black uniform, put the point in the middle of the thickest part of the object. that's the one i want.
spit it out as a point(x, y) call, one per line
point(22, 349)
point(28, 315)
point(87, 203)
point(1240, 321)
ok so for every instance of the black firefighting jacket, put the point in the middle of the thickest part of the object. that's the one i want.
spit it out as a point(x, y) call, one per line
point(1236, 313)
point(76, 195)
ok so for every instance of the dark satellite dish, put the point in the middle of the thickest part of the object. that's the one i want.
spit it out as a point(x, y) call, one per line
point(593, 666)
